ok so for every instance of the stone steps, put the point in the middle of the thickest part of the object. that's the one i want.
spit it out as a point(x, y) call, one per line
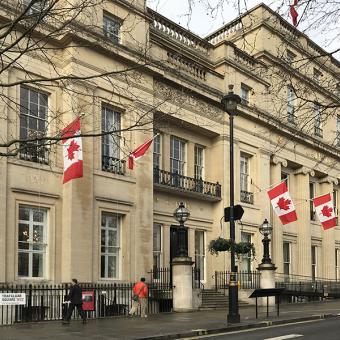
point(215, 300)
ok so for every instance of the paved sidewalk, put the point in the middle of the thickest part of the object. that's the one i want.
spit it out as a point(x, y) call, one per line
point(167, 325)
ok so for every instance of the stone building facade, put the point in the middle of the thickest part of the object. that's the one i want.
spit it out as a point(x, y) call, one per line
point(115, 224)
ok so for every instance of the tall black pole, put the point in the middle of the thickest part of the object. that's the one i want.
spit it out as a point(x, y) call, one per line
point(233, 316)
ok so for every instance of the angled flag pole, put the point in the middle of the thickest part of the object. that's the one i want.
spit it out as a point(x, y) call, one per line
point(140, 151)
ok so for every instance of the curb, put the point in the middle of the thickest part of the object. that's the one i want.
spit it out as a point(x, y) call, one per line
point(260, 324)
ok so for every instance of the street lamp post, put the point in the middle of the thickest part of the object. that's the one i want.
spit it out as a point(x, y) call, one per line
point(182, 214)
point(230, 102)
point(266, 229)
point(182, 265)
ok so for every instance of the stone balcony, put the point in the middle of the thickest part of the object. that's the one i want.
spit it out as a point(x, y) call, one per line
point(173, 182)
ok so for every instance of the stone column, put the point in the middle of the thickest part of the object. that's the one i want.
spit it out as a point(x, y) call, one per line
point(182, 284)
point(277, 235)
point(328, 236)
point(300, 198)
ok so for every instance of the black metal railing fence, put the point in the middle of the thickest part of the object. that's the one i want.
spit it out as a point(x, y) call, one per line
point(307, 286)
point(245, 279)
point(48, 302)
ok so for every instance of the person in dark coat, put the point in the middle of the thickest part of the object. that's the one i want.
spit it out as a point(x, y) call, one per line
point(75, 298)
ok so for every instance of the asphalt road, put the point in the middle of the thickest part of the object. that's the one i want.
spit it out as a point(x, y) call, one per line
point(327, 329)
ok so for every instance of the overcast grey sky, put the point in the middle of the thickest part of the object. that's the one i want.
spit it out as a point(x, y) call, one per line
point(204, 20)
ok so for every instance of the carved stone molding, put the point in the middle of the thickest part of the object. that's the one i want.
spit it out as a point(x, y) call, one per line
point(329, 180)
point(304, 171)
point(276, 160)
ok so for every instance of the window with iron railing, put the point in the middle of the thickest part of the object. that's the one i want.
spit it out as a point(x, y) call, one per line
point(32, 241)
point(291, 97)
point(317, 75)
point(311, 196)
point(111, 28)
point(335, 203)
point(245, 259)
point(198, 162)
point(35, 7)
point(33, 125)
point(177, 155)
point(200, 252)
point(245, 90)
point(337, 261)
point(285, 178)
point(157, 151)
point(289, 57)
point(317, 121)
point(111, 161)
point(338, 130)
point(245, 195)
point(110, 245)
point(314, 253)
point(286, 257)
point(157, 249)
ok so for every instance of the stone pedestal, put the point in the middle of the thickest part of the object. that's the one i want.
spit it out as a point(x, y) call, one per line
point(267, 280)
point(182, 284)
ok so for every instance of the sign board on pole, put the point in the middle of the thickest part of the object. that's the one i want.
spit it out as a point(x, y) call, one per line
point(12, 299)
point(238, 213)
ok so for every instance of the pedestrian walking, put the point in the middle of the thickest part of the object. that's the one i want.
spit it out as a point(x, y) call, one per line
point(75, 298)
point(140, 297)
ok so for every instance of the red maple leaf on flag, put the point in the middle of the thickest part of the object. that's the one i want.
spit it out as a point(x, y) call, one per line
point(326, 211)
point(72, 149)
point(283, 203)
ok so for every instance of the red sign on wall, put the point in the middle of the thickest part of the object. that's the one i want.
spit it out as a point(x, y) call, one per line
point(88, 300)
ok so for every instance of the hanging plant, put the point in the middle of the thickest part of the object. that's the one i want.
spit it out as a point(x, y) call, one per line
point(242, 248)
point(222, 244)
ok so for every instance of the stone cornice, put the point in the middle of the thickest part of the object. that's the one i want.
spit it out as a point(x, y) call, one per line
point(35, 193)
point(115, 201)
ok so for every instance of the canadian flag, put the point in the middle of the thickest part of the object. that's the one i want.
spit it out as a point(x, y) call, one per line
point(139, 152)
point(73, 151)
point(282, 203)
point(325, 210)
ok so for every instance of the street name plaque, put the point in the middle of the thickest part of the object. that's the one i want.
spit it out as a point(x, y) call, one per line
point(12, 299)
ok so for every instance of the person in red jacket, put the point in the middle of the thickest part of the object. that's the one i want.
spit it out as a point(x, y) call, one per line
point(140, 297)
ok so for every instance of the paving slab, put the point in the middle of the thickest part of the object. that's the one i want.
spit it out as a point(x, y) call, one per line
point(168, 325)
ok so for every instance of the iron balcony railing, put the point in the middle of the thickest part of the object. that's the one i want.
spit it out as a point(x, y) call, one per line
point(318, 131)
point(175, 180)
point(338, 138)
point(291, 117)
point(113, 165)
point(247, 197)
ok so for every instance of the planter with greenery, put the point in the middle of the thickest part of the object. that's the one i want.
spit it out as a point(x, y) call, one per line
point(222, 244)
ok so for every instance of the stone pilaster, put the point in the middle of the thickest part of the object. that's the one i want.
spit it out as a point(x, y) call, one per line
point(77, 217)
point(328, 236)
point(277, 235)
point(300, 196)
